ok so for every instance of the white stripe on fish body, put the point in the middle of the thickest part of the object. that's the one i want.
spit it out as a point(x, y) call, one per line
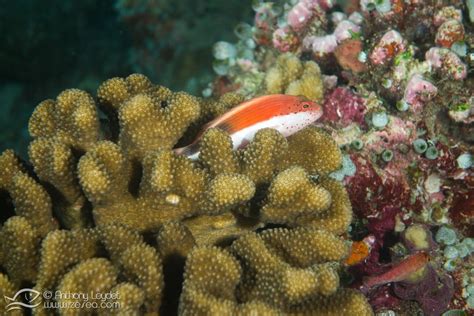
point(285, 124)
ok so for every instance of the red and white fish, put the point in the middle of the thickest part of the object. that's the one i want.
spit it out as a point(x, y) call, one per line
point(286, 113)
point(400, 271)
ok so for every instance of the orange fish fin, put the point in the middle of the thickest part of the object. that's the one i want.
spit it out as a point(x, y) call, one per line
point(359, 252)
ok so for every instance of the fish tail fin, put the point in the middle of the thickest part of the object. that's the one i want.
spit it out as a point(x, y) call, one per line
point(191, 151)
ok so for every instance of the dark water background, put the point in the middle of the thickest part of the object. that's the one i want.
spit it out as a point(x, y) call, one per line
point(49, 46)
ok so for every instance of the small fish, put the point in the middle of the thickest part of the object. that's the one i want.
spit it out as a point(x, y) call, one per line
point(285, 113)
point(360, 250)
point(399, 272)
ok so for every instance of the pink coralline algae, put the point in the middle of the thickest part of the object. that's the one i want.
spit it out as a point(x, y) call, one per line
point(449, 32)
point(265, 21)
point(284, 39)
point(321, 45)
point(347, 55)
point(301, 14)
point(325, 44)
point(446, 14)
point(375, 198)
point(343, 107)
point(463, 112)
point(418, 91)
point(389, 45)
point(345, 30)
point(454, 67)
point(447, 62)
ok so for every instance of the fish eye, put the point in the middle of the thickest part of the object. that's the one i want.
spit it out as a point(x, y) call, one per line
point(305, 105)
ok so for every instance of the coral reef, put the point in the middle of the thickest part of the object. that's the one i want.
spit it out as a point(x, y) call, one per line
point(275, 227)
point(397, 96)
point(81, 217)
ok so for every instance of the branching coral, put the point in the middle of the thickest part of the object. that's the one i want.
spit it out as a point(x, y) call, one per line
point(211, 278)
point(151, 117)
point(61, 127)
point(20, 244)
point(277, 271)
point(104, 190)
point(7, 290)
point(289, 266)
point(90, 278)
point(171, 188)
point(291, 76)
point(29, 198)
point(292, 194)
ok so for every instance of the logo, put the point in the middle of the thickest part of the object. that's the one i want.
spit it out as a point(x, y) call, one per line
point(15, 303)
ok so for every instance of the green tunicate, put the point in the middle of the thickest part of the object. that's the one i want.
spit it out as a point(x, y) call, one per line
point(465, 280)
point(402, 105)
point(220, 67)
point(446, 236)
point(403, 148)
point(207, 92)
point(449, 265)
point(379, 119)
point(383, 6)
point(224, 50)
point(258, 4)
point(370, 6)
point(344, 147)
point(451, 252)
point(469, 243)
point(465, 161)
point(459, 48)
point(243, 30)
point(470, 301)
point(470, 289)
point(431, 153)
point(387, 155)
point(420, 145)
point(357, 144)
point(463, 250)
point(386, 83)
point(362, 57)
point(348, 169)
